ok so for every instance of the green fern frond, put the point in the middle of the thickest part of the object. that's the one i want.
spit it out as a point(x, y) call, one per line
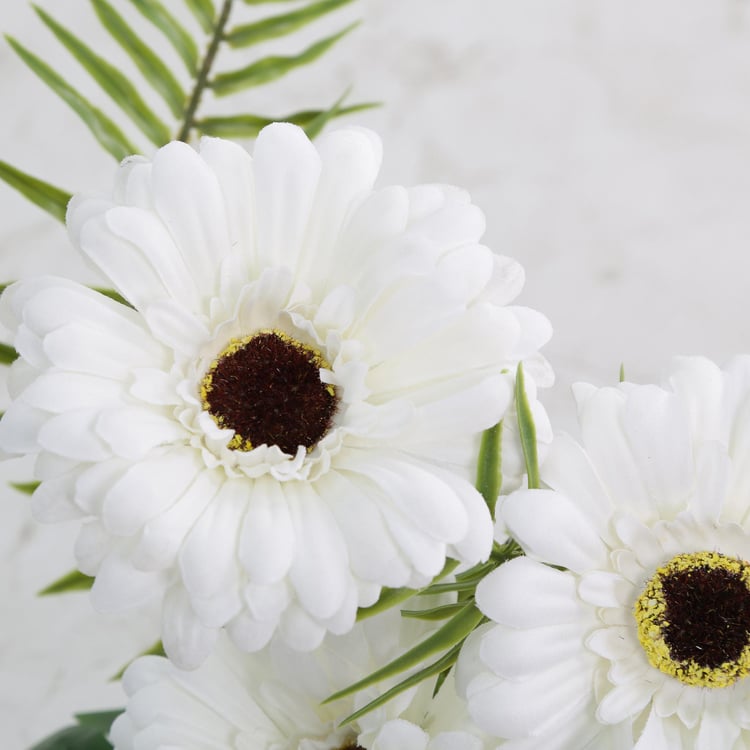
point(204, 12)
point(51, 199)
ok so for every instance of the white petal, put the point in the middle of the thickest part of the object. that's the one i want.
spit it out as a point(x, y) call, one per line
point(624, 702)
point(700, 386)
point(249, 634)
point(186, 641)
point(286, 167)
point(717, 729)
point(266, 540)
point(73, 435)
point(554, 602)
point(20, 427)
point(299, 630)
point(713, 471)
point(605, 589)
point(57, 392)
point(174, 325)
point(133, 432)
point(92, 545)
point(118, 586)
point(398, 734)
point(52, 501)
point(551, 528)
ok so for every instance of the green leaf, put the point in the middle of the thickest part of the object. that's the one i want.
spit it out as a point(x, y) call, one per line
point(80, 737)
point(281, 25)
point(28, 488)
point(156, 650)
point(182, 42)
point(449, 635)
point(263, 2)
point(248, 126)
point(270, 68)
point(441, 665)
point(150, 65)
point(73, 581)
point(114, 83)
point(622, 372)
point(102, 127)
point(101, 721)
point(527, 431)
point(204, 12)
point(489, 465)
point(112, 294)
point(436, 613)
point(8, 354)
point(46, 196)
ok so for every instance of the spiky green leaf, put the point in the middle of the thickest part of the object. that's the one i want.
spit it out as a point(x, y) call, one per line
point(442, 612)
point(281, 25)
point(8, 354)
point(205, 13)
point(148, 62)
point(73, 581)
point(270, 68)
point(248, 126)
point(178, 37)
point(28, 488)
point(112, 294)
point(527, 430)
point(102, 127)
point(111, 80)
point(442, 665)
point(489, 466)
point(449, 635)
point(48, 197)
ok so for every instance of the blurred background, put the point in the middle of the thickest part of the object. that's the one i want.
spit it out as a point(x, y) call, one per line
point(607, 143)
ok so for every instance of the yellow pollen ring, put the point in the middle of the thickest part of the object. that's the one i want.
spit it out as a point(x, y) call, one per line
point(650, 614)
point(239, 442)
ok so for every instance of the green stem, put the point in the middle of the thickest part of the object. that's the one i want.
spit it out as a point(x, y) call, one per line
point(201, 81)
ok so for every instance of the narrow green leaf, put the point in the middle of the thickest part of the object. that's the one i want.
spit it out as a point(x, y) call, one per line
point(80, 737)
point(263, 2)
point(314, 127)
point(527, 431)
point(391, 597)
point(46, 196)
point(156, 650)
point(8, 354)
point(28, 488)
point(178, 37)
point(479, 571)
point(447, 588)
point(436, 613)
point(112, 81)
point(248, 126)
point(281, 25)
point(102, 127)
point(452, 633)
point(270, 68)
point(101, 721)
point(112, 294)
point(489, 466)
point(622, 372)
point(443, 664)
point(148, 62)
point(73, 581)
point(441, 678)
point(204, 12)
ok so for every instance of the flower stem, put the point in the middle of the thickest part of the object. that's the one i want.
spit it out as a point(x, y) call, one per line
point(201, 81)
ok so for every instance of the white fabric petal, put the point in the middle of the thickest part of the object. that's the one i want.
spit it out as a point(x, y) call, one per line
point(133, 432)
point(186, 641)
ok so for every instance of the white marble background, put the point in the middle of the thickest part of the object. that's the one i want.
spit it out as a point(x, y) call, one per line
point(608, 144)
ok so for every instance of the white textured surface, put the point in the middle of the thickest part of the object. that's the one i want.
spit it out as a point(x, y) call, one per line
point(607, 143)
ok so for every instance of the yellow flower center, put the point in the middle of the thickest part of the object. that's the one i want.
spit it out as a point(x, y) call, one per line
point(694, 619)
point(267, 388)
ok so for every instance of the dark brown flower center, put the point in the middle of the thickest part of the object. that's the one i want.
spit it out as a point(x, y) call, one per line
point(267, 388)
point(694, 619)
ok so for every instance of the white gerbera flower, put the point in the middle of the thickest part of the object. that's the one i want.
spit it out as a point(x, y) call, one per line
point(644, 640)
point(286, 420)
point(274, 699)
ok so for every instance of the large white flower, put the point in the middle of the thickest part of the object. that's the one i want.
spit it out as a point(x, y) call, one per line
point(643, 640)
point(274, 699)
point(285, 420)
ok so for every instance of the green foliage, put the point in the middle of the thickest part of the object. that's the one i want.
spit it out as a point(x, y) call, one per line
point(184, 104)
point(489, 474)
point(8, 354)
point(527, 430)
point(73, 581)
point(27, 488)
point(88, 734)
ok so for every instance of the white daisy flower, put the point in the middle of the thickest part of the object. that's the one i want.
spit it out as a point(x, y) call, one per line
point(286, 418)
point(274, 699)
point(628, 624)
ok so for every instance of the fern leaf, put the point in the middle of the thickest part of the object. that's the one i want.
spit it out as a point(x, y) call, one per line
point(150, 65)
point(281, 25)
point(204, 12)
point(270, 68)
point(53, 200)
point(102, 127)
point(176, 34)
point(114, 83)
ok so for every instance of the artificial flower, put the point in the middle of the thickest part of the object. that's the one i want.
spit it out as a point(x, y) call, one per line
point(627, 624)
point(283, 418)
point(274, 699)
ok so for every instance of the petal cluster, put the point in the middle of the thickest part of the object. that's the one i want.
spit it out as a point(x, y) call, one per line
point(657, 487)
point(390, 287)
